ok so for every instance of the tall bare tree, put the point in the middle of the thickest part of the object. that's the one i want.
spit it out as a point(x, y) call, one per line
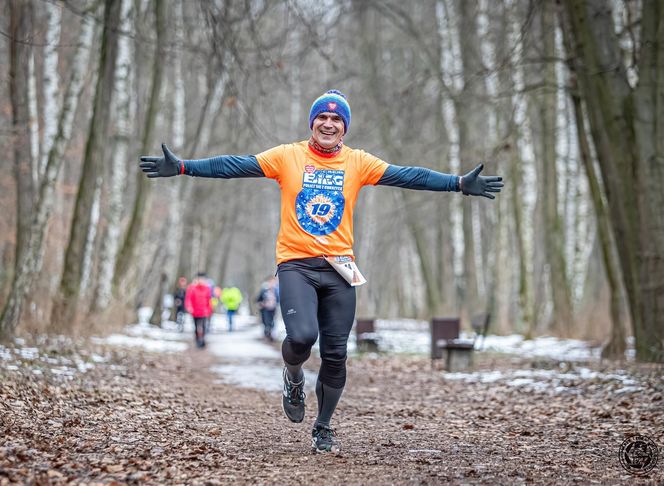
point(51, 82)
point(545, 101)
point(20, 27)
point(30, 264)
point(66, 302)
point(628, 136)
point(115, 186)
point(133, 231)
point(473, 129)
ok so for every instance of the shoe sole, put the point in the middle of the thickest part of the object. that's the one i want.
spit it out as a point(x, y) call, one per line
point(334, 450)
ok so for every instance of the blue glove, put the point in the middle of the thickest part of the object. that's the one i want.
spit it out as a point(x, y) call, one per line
point(473, 184)
point(167, 166)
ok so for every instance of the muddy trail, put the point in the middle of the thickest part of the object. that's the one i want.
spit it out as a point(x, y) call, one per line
point(135, 417)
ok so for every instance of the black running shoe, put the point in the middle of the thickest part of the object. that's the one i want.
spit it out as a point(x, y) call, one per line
point(324, 439)
point(293, 399)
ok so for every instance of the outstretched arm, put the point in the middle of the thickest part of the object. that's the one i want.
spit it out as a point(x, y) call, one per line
point(221, 166)
point(426, 179)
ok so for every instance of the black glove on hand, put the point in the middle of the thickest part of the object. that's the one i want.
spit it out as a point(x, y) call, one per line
point(473, 184)
point(167, 166)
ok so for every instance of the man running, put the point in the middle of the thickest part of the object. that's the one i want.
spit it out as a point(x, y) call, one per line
point(320, 180)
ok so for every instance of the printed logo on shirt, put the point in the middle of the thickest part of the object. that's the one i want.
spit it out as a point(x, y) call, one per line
point(329, 180)
point(320, 205)
point(309, 169)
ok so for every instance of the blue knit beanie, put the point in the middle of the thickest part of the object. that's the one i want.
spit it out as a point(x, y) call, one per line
point(334, 102)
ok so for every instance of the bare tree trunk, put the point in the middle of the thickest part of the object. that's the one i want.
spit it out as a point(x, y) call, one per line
point(51, 83)
point(33, 122)
point(143, 186)
point(426, 266)
point(524, 289)
point(472, 120)
point(66, 302)
point(213, 101)
point(629, 141)
point(110, 243)
point(158, 308)
point(507, 43)
point(649, 128)
point(446, 279)
point(552, 225)
point(175, 236)
point(615, 347)
point(20, 25)
point(31, 261)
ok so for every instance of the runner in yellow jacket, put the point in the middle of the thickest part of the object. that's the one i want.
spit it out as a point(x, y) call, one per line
point(231, 298)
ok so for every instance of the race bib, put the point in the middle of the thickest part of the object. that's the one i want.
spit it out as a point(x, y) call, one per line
point(346, 267)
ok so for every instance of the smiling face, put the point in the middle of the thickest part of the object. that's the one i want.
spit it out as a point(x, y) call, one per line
point(328, 129)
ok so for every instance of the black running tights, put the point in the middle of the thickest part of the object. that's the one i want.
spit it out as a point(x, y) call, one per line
point(316, 302)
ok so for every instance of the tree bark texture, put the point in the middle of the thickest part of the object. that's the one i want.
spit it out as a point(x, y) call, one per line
point(51, 83)
point(143, 184)
point(115, 184)
point(562, 317)
point(616, 345)
point(31, 261)
point(626, 127)
point(20, 26)
point(472, 123)
point(66, 302)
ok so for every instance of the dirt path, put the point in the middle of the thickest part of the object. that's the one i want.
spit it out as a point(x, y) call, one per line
point(165, 419)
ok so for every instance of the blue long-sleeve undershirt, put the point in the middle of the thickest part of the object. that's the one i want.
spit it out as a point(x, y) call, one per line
point(236, 166)
point(419, 178)
point(224, 167)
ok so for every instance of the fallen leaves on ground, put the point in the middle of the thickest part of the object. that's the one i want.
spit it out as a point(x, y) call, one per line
point(136, 418)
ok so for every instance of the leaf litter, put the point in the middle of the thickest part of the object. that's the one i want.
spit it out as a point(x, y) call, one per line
point(86, 413)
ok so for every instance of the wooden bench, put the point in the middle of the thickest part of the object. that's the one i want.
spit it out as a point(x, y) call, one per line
point(366, 337)
point(445, 344)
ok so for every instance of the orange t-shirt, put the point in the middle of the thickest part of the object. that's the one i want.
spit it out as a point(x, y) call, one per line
point(318, 195)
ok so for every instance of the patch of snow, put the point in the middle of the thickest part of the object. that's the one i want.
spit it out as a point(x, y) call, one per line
point(545, 380)
point(84, 366)
point(28, 353)
point(543, 347)
point(62, 370)
point(259, 376)
point(628, 389)
point(5, 354)
point(152, 332)
point(242, 344)
point(413, 336)
point(153, 345)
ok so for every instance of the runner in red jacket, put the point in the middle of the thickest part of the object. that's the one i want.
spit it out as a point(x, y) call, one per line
point(198, 303)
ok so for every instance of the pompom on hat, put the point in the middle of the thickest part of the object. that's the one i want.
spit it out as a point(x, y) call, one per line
point(333, 101)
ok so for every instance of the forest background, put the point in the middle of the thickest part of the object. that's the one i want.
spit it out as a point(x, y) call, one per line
point(564, 99)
